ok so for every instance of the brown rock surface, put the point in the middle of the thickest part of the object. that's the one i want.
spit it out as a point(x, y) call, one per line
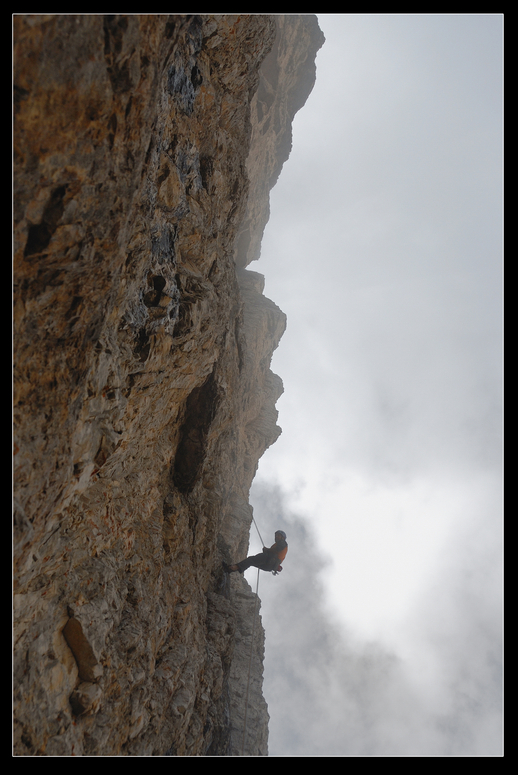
point(143, 395)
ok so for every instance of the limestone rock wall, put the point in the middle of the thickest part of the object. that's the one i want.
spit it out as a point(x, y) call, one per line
point(143, 395)
point(286, 79)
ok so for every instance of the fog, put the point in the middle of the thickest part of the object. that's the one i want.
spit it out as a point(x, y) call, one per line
point(384, 248)
point(331, 692)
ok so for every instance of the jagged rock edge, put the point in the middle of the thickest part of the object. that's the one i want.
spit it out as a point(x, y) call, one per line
point(121, 614)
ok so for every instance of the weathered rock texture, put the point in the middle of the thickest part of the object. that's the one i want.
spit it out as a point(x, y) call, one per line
point(145, 148)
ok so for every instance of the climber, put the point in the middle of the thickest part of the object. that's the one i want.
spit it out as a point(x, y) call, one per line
point(270, 558)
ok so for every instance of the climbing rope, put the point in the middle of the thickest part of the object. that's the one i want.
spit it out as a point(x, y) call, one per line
point(251, 653)
point(252, 643)
point(258, 533)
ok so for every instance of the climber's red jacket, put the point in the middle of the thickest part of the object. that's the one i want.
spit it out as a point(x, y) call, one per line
point(278, 550)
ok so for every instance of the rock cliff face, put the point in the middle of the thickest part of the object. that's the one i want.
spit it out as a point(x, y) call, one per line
point(145, 149)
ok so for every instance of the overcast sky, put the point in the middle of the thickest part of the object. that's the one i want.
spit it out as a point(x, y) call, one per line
point(384, 248)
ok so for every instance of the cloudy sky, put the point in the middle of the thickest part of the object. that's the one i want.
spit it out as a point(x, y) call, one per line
point(384, 248)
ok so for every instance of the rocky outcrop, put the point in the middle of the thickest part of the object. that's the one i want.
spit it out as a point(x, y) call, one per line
point(286, 79)
point(143, 395)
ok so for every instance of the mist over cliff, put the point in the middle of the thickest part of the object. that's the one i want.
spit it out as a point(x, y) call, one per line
point(145, 148)
point(335, 692)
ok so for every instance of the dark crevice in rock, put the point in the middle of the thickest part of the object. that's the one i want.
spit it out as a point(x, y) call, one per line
point(87, 663)
point(40, 234)
point(200, 411)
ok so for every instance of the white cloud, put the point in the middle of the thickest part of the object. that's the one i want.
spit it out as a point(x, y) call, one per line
point(384, 249)
point(335, 690)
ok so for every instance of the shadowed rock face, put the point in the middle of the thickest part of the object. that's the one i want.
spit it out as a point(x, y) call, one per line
point(143, 396)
